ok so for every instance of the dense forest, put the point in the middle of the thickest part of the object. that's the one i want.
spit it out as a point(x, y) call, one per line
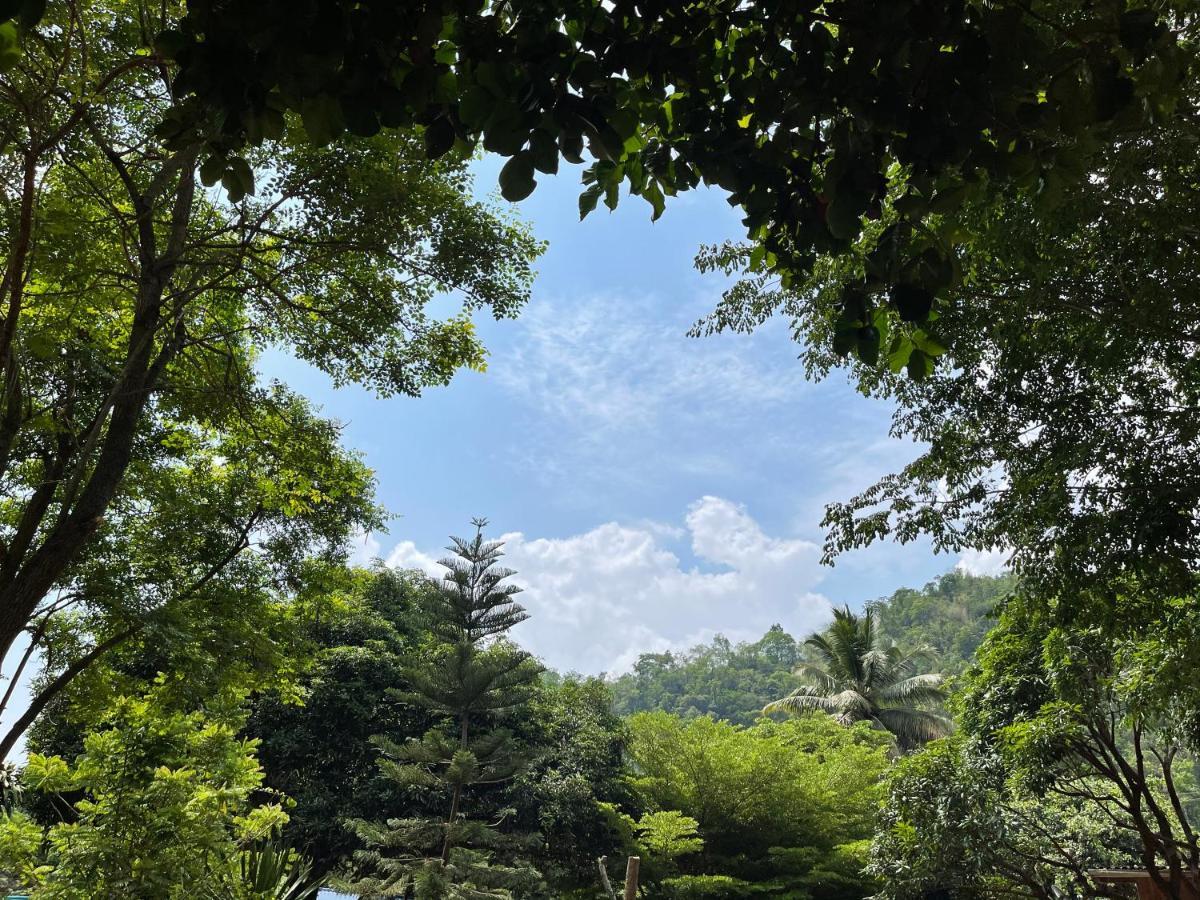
point(667, 762)
point(948, 619)
point(980, 214)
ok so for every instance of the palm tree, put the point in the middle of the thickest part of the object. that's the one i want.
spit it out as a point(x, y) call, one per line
point(858, 680)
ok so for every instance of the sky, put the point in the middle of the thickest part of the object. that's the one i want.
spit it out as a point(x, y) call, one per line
point(653, 490)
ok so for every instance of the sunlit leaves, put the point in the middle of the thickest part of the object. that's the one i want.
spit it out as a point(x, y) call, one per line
point(695, 94)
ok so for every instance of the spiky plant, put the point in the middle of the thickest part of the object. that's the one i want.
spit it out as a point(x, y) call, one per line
point(268, 871)
point(857, 679)
point(471, 678)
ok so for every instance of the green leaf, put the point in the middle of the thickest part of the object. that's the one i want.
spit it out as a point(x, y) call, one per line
point(612, 194)
point(588, 199)
point(757, 255)
point(211, 170)
point(624, 122)
point(476, 107)
point(571, 146)
point(919, 365)
point(360, 118)
point(243, 174)
point(505, 133)
point(233, 186)
point(10, 51)
point(516, 178)
point(322, 118)
point(867, 344)
point(899, 353)
point(439, 138)
point(928, 344)
point(911, 301)
point(544, 149)
point(843, 216)
point(654, 194)
point(911, 205)
point(844, 339)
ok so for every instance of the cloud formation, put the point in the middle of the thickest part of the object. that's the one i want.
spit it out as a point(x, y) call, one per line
point(983, 562)
point(613, 390)
point(599, 599)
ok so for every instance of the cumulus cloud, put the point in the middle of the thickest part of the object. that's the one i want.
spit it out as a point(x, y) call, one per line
point(364, 548)
point(405, 555)
point(599, 599)
point(983, 562)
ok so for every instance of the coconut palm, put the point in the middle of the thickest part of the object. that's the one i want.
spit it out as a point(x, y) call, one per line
point(859, 680)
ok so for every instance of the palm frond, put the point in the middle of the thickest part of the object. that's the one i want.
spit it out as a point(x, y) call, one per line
point(801, 701)
point(920, 690)
point(817, 678)
point(913, 727)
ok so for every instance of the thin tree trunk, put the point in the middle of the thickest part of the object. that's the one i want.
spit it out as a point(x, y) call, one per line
point(456, 798)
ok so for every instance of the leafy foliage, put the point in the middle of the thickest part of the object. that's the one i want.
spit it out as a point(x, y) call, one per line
point(165, 801)
point(805, 113)
point(948, 618)
point(718, 679)
point(1059, 429)
point(952, 822)
point(363, 628)
point(857, 679)
point(1078, 752)
point(140, 455)
point(575, 770)
point(779, 806)
point(269, 872)
point(467, 677)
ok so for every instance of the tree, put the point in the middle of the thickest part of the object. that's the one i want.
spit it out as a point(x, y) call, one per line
point(468, 677)
point(1077, 751)
point(1101, 715)
point(1059, 430)
point(574, 744)
point(167, 800)
point(949, 617)
point(139, 453)
point(953, 822)
point(803, 112)
point(717, 679)
point(783, 808)
point(857, 680)
point(364, 629)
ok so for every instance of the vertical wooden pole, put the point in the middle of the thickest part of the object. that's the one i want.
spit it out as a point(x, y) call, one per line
point(631, 877)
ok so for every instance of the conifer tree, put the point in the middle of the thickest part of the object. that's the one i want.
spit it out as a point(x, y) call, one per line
point(473, 677)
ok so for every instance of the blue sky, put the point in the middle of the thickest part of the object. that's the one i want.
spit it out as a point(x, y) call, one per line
point(654, 489)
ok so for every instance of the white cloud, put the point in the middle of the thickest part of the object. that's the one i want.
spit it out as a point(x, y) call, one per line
point(983, 562)
point(613, 383)
point(405, 555)
point(364, 548)
point(599, 599)
point(615, 362)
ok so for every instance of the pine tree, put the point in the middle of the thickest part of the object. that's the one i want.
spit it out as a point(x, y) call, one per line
point(472, 677)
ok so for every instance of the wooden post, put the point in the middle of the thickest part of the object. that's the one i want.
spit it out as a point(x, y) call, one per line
point(631, 877)
point(602, 862)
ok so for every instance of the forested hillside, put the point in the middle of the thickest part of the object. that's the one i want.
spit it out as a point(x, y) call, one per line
point(950, 615)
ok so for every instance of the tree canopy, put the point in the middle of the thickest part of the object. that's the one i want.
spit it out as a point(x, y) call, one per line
point(140, 452)
point(855, 677)
point(807, 114)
